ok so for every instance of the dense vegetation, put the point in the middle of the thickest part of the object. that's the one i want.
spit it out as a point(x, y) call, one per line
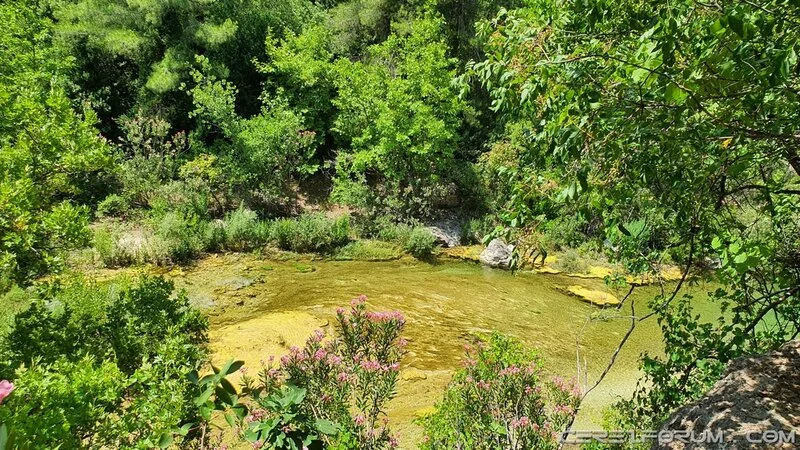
point(155, 132)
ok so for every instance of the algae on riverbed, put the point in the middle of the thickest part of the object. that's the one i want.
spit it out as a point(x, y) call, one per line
point(260, 308)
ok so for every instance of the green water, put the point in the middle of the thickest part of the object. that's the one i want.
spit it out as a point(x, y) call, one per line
point(443, 303)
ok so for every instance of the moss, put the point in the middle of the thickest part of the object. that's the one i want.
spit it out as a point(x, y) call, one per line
point(369, 250)
point(599, 298)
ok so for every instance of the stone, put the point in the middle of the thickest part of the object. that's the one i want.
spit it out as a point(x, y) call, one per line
point(447, 232)
point(756, 394)
point(412, 374)
point(497, 254)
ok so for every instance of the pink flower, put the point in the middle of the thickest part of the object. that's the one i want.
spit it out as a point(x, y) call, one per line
point(370, 366)
point(522, 422)
point(360, 419)
point(6, 387)
point(320, 354)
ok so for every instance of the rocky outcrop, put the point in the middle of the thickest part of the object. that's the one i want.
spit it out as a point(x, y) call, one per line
point(497, 254)
point(756, 405)
point(446, 232)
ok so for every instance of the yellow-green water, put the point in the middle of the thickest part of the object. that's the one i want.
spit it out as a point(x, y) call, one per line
point(259, 308)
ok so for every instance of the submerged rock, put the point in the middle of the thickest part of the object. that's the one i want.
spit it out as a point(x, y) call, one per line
point(755, 403)
point(497, 254)
point(412, 374)
point(599, 298)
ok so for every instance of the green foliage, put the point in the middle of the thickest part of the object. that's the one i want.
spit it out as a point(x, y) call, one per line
point(273, 141)
point(113, 206)
point(332, 391)
point(421, 243)
point(400, 113)
point(671, 123)
point(142, 52)
point(60, 403)
point(288, 428)
point(499, 400)
point(311, 233)
point(49, 154)
point(97, 368)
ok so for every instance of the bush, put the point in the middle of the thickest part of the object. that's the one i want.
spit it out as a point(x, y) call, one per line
point(184, 236)
point(113, 206)
point(111, 369)
point(106, 241)
point(571, 261)
point(421, 243)
point(368, 250)
point(311, 233)
point(342, 385)
point(499, 400)
point(243, 230)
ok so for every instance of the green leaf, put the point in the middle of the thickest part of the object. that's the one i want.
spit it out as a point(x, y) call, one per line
point(326, 427)
point(184, 430)
point(202, 398)
point(674, 94)
point(737, 25)
point(165, 440)
point(4, 437)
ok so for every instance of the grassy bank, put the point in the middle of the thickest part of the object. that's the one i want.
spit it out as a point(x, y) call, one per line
point(176, 238)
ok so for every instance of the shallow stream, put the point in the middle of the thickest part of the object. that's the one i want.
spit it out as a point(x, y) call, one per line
point(260, 307)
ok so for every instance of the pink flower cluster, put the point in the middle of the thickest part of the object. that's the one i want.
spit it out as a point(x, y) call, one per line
point(6, 387)
point(510, 371)
point(386, 316)
point(522, 422)
point(570, 387)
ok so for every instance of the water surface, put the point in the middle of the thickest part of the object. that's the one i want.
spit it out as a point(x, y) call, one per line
point(259, 308)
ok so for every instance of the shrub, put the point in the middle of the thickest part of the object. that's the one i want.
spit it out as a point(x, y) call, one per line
point(571, 261)
point(184, 236)
point(244, 231)
point(113, 206)
point(111, 370)
point(421, 243)
point(58, 404)
point(311, 233)
point(106, 241)
point(346, 382)
point(499, 400)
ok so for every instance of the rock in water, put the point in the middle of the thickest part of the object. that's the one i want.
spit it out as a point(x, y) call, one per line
point(497, 254)
point(413, 374)
point(757, 399)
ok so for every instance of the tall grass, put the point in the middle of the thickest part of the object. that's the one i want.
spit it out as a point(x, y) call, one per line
point(180, 237)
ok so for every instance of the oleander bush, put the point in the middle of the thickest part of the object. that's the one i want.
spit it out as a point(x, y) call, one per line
point(501, 399)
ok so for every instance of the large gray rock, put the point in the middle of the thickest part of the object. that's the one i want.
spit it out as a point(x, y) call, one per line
point(447, 232)
point(497, 254)
point(757, 399)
